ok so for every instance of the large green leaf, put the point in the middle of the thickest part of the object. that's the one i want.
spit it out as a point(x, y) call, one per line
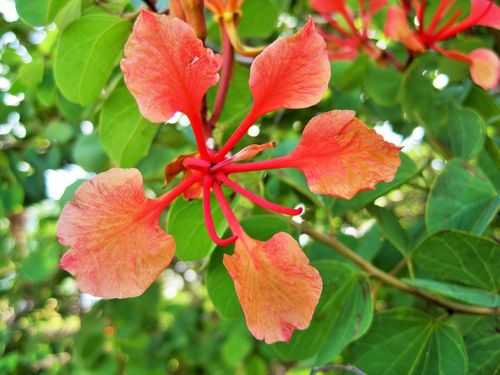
point(383, 85)
point(410, 342)
point(466, 133)
point(344, 314)
point(88, 153)
point(186, 223)
point(87, 52)
point(125, 135)
point(391, 228)
point(465, 294)
point(406, 171)
point(259, 20)
point(39, 12)
point(461, 199)
point(460, 257)
point(482, 340)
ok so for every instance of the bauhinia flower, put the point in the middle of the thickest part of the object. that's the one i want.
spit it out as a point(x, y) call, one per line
point(484, 63)
point(117, 248)
point(346, 41)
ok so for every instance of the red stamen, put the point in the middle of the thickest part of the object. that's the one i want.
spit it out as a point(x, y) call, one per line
point(465, 24)
point(421, 15)
point(277, 163)
point(227, 211)
point(264, 203)
point(446, 26)
point(453, 54)
point(438, 15)
point(207, 215)
point(350, 21)
point(335, 25)
point(170, 196)
point(196, 163)
point(247, 122)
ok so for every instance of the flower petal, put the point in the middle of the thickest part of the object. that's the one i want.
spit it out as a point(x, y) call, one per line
point(277, 288)
point(327, 6)
point(487, 13)
point(292, 72)
point(251, 151)
point(166, 67)
point(341, 156)
point(398, 29)
point(117, 248)
point(485, 68)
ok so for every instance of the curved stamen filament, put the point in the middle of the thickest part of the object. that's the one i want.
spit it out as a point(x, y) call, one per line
point(196, 163)
point(197, 124)
point(277, 163)
point(447, 26)
point(231, 218)
point(169, 196)
point(264, 203)
point(207, 214)
point(236, 136)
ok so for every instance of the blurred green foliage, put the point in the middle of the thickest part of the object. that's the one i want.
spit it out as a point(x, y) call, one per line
point(65, 115)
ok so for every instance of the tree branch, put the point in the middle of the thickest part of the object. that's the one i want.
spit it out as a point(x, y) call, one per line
point(388, 278)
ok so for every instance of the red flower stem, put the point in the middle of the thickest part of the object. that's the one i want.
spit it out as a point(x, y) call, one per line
point(438, 15)
point(170, 196)
point(264, 203)
point(236, 136)
point(334, 24)
point(231, 218)
point(226, 73)
point(452, 54)
point(196, 163)
point(207, 215)
point(465, 24)
point(197, 125)
point(446, 26)
point(421, 15)
point(344, 13)
point(282, 162)
point(362, 10)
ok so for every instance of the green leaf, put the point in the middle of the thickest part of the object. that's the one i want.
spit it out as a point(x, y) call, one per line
point(460, 258)
point(466, 133)
point(410, 342)
point(71, 11)
point(344, 314)
point(260, 19)
point(383, 84)
point(186, 223)
point(219, 284)
point(460, 198)
point(39, 12)
point(40, 264)
point(58, 131)
point(482, 340)
point(458, 292)
point(406, 171)
point(126, 136)
point(31, 75)
point(87, 52)
point(236, 347)
point(88, 153)
point(391, 228)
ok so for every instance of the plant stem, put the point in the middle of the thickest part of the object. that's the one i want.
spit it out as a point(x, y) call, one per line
point(389, 279)
point(151, 4)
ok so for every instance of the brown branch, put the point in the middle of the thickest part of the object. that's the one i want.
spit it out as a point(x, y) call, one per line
point(151, 4)
point(388, 279)
point(344, 368)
